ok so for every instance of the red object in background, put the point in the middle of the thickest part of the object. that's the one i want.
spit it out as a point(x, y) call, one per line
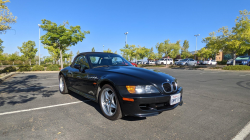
point(133, 64)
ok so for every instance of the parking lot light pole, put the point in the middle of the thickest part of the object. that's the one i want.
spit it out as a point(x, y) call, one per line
point(126, 38)
point(39, 25)
point(196, 44)
point(103, 48)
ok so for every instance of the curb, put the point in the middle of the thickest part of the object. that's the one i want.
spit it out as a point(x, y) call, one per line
point(6, 76)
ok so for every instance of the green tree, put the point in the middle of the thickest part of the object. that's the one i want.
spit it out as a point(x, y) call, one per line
point(236, 40)
point(1, 47)
point(184, 50)
point(77, 52)
point(6, 17)
point(93, 49)
point(108, 51)
point(28, 49)
point(204, 53)
point(129, 52)
point(71, 55)
point(60, 37)
point(168, 49)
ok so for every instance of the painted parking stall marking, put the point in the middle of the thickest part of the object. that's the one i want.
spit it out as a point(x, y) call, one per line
point(38, 108)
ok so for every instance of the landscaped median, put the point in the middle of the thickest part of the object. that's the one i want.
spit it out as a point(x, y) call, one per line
point(237, 67)
point(203, 67)
point(25, 68)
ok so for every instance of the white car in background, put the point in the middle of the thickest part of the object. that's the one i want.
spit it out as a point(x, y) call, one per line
point(168, 61)
point(176, 61)
point(210, 62)
point(151, 62)
point(230, 62)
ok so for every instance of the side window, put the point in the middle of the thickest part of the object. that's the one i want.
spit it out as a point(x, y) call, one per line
point(81, 60)
point(191, 59)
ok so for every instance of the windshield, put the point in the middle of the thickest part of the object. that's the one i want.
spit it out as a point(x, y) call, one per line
point(184, 60)
point(107, 59)
point(242, 58)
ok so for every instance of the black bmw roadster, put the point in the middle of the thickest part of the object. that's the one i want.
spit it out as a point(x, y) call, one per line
point(119, 88)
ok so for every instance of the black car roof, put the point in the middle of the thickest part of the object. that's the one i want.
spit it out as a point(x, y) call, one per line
point(95, 53)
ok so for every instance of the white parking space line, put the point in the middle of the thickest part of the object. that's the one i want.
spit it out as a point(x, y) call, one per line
point(242, 75)
point(32, 109)
point(243, 133)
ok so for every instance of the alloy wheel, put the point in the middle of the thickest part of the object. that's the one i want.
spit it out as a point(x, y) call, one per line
point(108, 102)
point(61, 84)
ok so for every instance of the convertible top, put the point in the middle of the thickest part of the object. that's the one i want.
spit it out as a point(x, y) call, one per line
point(95, 53)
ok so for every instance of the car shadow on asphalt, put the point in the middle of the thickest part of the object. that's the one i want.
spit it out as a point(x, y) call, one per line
point(97, 107)
point(11, 90)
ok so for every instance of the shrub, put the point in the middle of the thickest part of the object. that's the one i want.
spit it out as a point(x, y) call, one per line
point(24, 68)
point(52, 68)
point(237, 67)
point(223, 62)
point(215, 68)
point(38, 68)
point(9, 69)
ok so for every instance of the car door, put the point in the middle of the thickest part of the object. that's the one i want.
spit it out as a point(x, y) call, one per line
point(84, 77)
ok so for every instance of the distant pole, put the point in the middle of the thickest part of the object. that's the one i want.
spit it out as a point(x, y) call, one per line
point(39, 42)
point(126, 38)
point(196, 44)
point(103, 48)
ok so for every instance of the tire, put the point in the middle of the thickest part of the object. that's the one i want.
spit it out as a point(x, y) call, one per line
point(194, 64)
point(62, 85)
point(186, 64)
point(162, 63)
point(109, 103)
point(171, 63)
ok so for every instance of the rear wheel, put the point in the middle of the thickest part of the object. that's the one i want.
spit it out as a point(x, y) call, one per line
point(109, 103)
point(62, 85)
point(162, 63)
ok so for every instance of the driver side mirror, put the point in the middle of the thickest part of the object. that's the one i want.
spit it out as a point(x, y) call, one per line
point(77, 66)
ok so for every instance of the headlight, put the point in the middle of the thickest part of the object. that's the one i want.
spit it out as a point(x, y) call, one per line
point(142, 89)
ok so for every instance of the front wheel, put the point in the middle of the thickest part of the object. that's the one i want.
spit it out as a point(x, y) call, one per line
point(62, 85)
point(109, 103)
point(194, 64)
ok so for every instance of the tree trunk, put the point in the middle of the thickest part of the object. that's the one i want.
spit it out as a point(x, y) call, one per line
point(234, 57)
point(61, 57)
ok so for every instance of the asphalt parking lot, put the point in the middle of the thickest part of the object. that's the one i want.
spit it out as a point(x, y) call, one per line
point(216, 106)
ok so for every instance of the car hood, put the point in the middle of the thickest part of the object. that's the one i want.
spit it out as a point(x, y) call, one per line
point(151, 76)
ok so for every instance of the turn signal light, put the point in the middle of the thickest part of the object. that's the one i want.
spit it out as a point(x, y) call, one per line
point(131, 89)
point(128, 99)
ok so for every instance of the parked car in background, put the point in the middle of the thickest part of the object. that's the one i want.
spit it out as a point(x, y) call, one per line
point(210, 62)
point(187, 62)
point(134, 64)
point(177, 60)
point(200, 62)
point(168, 61)
point(139, 62)
point(119, 88)
point(151, 62)
point(242, 60)
point(230, 62)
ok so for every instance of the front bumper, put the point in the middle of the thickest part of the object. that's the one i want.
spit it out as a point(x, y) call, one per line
point(149, 106)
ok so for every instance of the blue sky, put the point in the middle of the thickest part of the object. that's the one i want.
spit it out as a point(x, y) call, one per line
point(147, 21)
